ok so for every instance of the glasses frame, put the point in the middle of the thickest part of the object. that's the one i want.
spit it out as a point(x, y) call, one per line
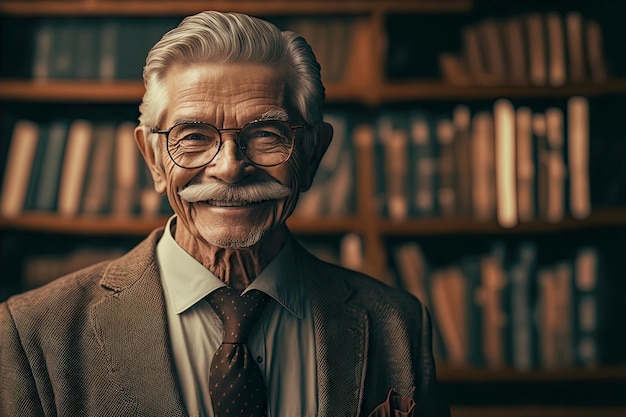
point(236, 130)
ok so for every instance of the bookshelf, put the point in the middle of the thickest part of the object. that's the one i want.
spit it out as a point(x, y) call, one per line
point(366, 90)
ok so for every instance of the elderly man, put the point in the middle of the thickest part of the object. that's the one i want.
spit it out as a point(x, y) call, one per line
point(221, 313)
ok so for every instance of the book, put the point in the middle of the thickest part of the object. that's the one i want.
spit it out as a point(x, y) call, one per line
point(125, 171)
point(556, 50)
point(42, 51)
point(586, 320)
point(87, 50)
point(555, 209)
point(595, 52)
point(516, 50)
point(473, 56)
point(51, 166)
point(423, 164)
point(97, 193)
point(578, 156)
point(489, 297)
point(523, 294)
point(74, 167)
point(449, 295)
point(461, 119)
point(108, 31)
point(64, 56)
point(483, 167)
point(351, 252)
point(575, 47)
point(490, 35)
point(525, 164)
point(506, 178)
point(542, 161)
point(538, 72)
point(446, 192)
point(21, 154)
point(412, 270)
point(396, 174)
point(35, 168)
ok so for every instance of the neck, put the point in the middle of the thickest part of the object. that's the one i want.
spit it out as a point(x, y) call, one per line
point(236, 267)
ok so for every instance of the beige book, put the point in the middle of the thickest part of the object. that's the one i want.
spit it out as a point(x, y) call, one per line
point(506, 178)
point(578, 156)
point(74, 167)
point(21, 155)
point(396, 174)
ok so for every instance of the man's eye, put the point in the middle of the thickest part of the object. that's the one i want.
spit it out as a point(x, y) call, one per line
point(265, 134)
point(195, 137)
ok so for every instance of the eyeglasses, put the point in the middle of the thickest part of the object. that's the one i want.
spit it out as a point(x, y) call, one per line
point(264, 143)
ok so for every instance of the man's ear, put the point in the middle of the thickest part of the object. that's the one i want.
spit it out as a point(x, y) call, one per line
point(324, 135)
point(145, 146)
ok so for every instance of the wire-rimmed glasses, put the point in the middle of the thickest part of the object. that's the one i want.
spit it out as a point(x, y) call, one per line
point(264, 143)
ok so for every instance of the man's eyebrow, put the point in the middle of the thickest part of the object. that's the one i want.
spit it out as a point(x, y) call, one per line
point(274, 115)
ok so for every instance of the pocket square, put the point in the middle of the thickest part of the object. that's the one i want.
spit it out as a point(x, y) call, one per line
point(395, 406)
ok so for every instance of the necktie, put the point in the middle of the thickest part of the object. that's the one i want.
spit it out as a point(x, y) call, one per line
point(236, 384)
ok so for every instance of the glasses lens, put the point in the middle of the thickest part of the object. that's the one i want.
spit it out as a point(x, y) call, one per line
point(193, 144)
point(267, 143)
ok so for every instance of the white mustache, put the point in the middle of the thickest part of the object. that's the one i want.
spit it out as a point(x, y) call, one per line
point(250, 193)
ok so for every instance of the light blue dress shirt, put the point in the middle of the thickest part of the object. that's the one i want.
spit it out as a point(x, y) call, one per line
point(282, 341)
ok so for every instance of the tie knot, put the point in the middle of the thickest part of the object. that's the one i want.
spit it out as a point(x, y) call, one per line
point(237, 312)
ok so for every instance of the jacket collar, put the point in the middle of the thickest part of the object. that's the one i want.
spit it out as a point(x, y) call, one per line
point(133, 338)
point(341, 334)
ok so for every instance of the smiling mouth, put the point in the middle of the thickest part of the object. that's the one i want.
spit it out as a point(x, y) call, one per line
point(237, 203)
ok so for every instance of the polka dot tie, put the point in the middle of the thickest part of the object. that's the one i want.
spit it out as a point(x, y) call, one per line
point(236, 385)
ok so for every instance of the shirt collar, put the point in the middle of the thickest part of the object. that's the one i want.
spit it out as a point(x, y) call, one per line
point(186, 281)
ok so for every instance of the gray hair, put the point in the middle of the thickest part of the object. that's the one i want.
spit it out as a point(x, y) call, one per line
point(232, 37)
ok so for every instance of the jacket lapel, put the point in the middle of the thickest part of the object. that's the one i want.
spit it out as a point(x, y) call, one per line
point(341, 334)
point(131, 326)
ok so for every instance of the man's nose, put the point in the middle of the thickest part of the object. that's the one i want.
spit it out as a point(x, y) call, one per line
point(230, 162)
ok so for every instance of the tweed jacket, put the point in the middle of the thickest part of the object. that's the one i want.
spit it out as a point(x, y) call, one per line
point(95, 343)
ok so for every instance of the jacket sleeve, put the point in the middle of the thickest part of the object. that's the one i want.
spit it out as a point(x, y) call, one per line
point(18, 390)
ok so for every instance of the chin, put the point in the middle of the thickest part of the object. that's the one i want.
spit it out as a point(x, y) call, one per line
point(235, 241)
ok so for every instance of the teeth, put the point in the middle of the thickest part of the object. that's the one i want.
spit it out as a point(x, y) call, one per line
point(217, 203)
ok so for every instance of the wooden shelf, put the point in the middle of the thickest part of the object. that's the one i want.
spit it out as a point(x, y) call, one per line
point(264, 8)
point(438, 90)
point(445, 226)
point(131, 91)
point(537, 411)
point(456, 375)
point(139, 226)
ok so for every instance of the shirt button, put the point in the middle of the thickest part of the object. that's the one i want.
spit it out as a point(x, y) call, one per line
point(259, 359)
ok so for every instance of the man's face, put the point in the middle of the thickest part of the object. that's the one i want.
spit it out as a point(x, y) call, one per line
point(227, 96)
